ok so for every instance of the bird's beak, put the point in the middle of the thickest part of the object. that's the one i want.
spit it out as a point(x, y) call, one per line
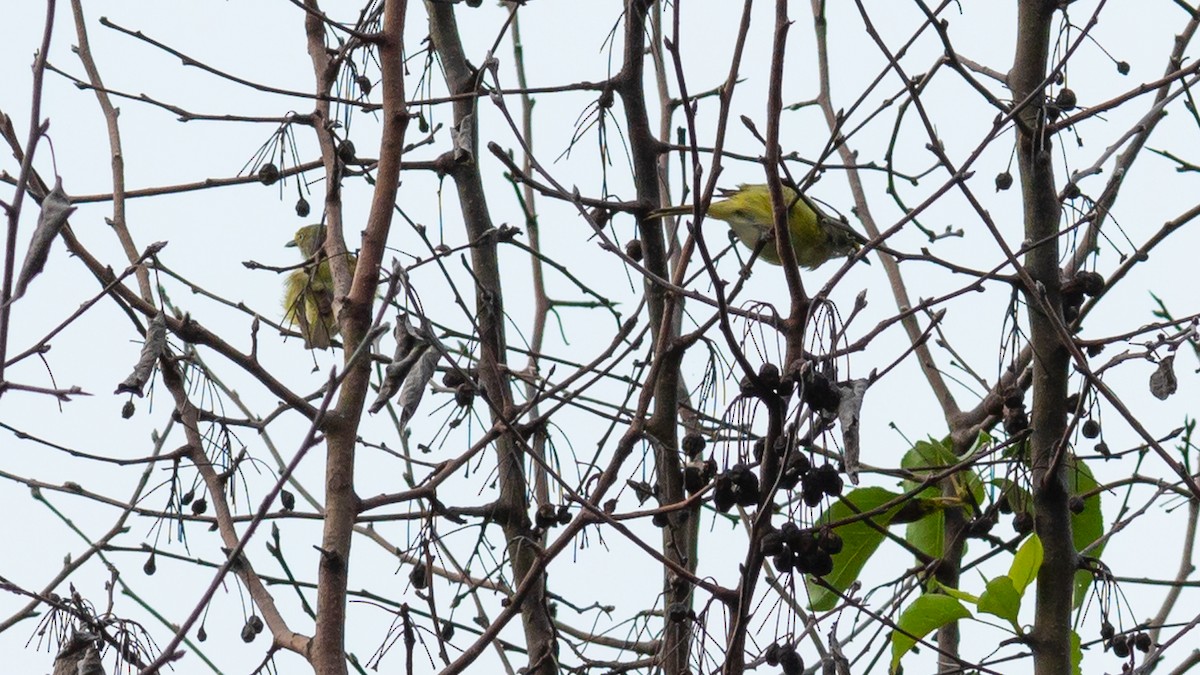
point(865, 259)
point(291, 243)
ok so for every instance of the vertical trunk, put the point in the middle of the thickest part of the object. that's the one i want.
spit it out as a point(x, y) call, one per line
point(354, 296)
point(512, 511)
point(1050, 640)
point(679, 535)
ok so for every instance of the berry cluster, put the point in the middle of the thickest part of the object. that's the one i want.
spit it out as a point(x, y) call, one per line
point(786, 657)
point(739, 485)
point(1123, 645)
point(802, 550)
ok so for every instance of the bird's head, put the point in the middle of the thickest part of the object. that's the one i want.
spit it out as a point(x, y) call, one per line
point(308, 239)
point(842, 241)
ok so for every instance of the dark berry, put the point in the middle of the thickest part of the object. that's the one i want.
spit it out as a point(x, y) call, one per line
point(418, 577)
point(772, 654)
point(633, 249)
point(345, 151)
point(771, 543)
point(692, 444)
point(1023, 522)
point(790, 661)
point(1004, 181)
point(268, 174)
point(830, 541)
point(1143, 642)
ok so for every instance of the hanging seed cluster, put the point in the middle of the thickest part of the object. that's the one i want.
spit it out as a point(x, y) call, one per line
point(786, 657)
point(1122, 645)
point(1015, 418)
point(793, 548)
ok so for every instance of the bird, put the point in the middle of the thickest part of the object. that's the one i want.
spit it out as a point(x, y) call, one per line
point(816, 237)
point(308, 291)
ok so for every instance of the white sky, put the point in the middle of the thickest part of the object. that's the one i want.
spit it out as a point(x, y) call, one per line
point(211, 233)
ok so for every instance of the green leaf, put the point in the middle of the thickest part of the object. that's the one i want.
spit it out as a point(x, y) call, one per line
point(956, 593)
point(859, 541)
point(931, 457)
point(1076, 654)
point(1002, 599)
point(925, 458)
point(1086, 526)
point(926, 614)
point(928, 532)
point(1026, 563)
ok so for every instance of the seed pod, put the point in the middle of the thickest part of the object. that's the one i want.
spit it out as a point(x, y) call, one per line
point(464, 395)
point(1015, 420)
point(419, 577)
point(746, 488)
point(790, 661)
point(677, 612)
point(1023, 522)
point(1004, 181)
point(811, 493)
point(784, 561)
point(199, 506)
point(287, 500)
point(830, 541)
point(822, 564)
point(1143, 642)
point(268, 174)
point(804, 543)
point(453, 378)
point(693, 478)
point(633, 249)
point(723, 496)
point(769, 374)
point(1014, 397)
point(345, 151)
point(1066, 99)
point(818, 393)
point(1090, 429)
point(1076, 504)
point(831, 483)
point(771, 543)
point(546, 516)
point(771, 655)
point(692, 444)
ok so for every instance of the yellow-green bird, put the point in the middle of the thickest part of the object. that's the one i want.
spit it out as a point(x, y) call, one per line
point(308, 292)
point(816, 237)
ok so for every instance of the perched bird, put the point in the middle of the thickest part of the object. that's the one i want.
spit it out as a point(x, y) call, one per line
point(816, 237)
point(308, 292)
